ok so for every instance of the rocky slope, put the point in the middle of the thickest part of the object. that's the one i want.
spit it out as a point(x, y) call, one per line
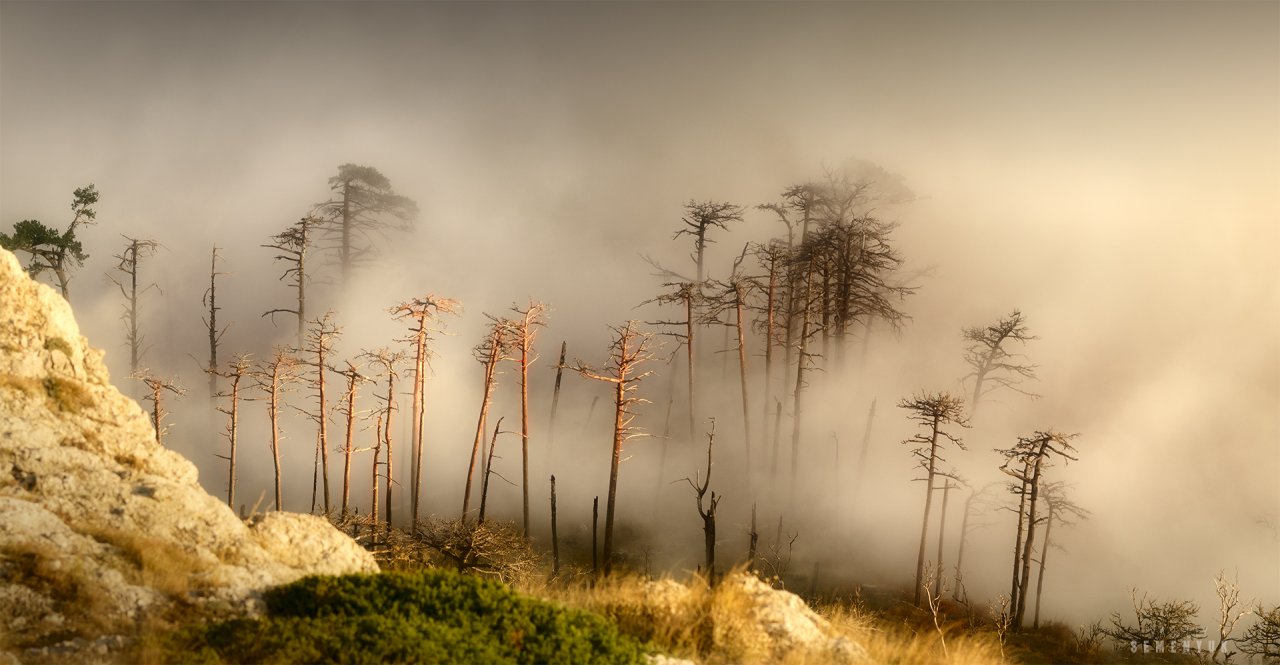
point(98, 523)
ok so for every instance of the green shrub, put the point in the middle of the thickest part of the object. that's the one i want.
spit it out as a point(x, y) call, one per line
point(432, 616)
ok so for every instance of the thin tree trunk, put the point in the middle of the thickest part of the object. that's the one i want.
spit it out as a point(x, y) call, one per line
point(347, 441)
point(928, 503)
point(595, 532)
point(619, 430)
point(768, 352)
point(555, 401)
point(488, 469)
point(1017, 550)
point(1028, 546)
point(1044, 554)
point(345, 251)
point(417, 409)
point(524, 422)
point(964, 533)
point(275, 433)
point(689, 342)
point(555, 535)
point(373, 490)
point(315, 476)
point(777, 444)
point(213, 324)
point(755, 538)
point(490, 365)
point(866, 446)
point(942, 533)
point(390, 465)
point(323, 415)
point(746, 401)
point(797, 410)
point(234, 435)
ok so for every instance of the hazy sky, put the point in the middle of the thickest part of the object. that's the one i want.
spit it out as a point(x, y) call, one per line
point(1112, 169)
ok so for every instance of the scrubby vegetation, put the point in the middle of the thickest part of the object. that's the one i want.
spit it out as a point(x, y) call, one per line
point(432, 616)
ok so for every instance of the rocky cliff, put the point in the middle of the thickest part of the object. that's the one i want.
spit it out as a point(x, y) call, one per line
point(100, 524)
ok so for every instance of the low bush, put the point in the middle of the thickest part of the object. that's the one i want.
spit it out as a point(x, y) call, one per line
point(432, 616)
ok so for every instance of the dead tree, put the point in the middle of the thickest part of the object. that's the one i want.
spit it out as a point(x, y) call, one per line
point(422, 313)
point(524, 330)
point(363, 206)
point(699, 218)
point(273, 377)
point(733, 297)
point(1262, 639)
point(490, 352)
point(389, 361)
point(319, 343)
point(947, 486)
point(797, 409)
point(129, 262)
point(991, 361)
point(687, 294)
point(350, 416)
point(210, 301)
point(555, 535)
point(977, 501)
point(236, 370)
point(488, 471)
point(555, 401)
point(157, 386)
point(865, 447)
point(707, 510)
point(1025, 463)
point(773, 257)
point(631, 348)
point(933, 412)
point(292, 245)
point(1061, 511)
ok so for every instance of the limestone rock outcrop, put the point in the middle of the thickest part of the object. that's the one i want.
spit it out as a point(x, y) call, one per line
point(92, 507)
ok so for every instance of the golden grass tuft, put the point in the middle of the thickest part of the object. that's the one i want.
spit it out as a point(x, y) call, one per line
point(152, 563)
point(66, 395)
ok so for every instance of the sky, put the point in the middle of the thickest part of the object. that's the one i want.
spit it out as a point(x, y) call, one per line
point(1110, 169)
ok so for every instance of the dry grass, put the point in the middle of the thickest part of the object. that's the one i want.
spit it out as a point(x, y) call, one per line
point(153, 563)
point(84, 605)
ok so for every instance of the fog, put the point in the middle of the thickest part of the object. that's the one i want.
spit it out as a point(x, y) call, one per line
point(1110, 170)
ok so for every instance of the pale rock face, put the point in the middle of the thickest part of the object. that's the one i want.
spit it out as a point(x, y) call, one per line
point(85, 487)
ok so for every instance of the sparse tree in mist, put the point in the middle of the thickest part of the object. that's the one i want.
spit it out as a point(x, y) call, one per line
point(157, 386)
point(273, 377)
point(555, 400)
point(1063, 512)
point(239, 367)
point(422, 313)
point(487, 473)
point(1026, 463)
point(129, 262)
point(992, 363)
point(1169, 621)
point(773, 258)
point(363, 206)
point(732, 297)
point(707, 508)
point(1262, 639)
point(319, 340)
point(494, 349)
point(978, 502)
point(292, 245)
point(630, 350)
point(351, 416)
point(524, 331)
point(59, 252)
point(688, 295)
point(699, 218)
point(933, 412)
point(389, 362)
point(210, 301)
point(1230, 610)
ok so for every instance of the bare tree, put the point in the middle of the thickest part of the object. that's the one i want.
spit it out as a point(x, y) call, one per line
point(1230, 609)
point(237, 369)
point(555, 535)
point(351, 416)
point(488, 470)
point(422, 313)
point(319, 340)
point(1262, 639)
point(1170, 621)
point(210, 301)
point(363, 205)
point(733, 297)
point(1026, 463)
point(687, 294)
point(273, 377)
point(1065, 512)
point(524, 330)
point(128, 265)
point(773, 258)
point(292, 245)
point(707, 509)
point(555, 400)
point(991, 361)
point(933, 412)
point(699, 218)
point(631, 348)
point(157, 386)
point(389, 361)
point(977, 501)
point(494, 349)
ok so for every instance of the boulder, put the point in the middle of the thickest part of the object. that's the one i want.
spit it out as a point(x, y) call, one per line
point(93, 510)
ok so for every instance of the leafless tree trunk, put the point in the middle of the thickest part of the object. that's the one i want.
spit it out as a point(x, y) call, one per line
point(629, 351)
point(555, 534)
point(350, 415)
point(373, 488)
point(933, 412)
point(273, 377)
point(421, 312)
point(755, 538)
point(293, 243)
point(488, 470)
point(942, 533)
point(319, 341)
point(798, 398)
point(555, 401)
point(595, 536)
point(489, 352)
point(157, 386)
point(389, 361)
point(707, 511)
point(128, 265)
point(211, 323)
point(866, 447)
point(235, 373)
point(525, 331)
